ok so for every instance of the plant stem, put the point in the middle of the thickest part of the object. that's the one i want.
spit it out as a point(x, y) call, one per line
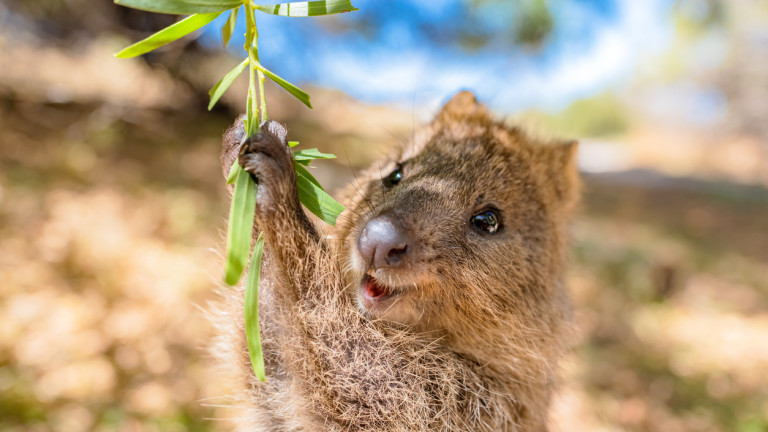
point(263, 98)
point(251, 37)
point(252, 279)
point(259, 73)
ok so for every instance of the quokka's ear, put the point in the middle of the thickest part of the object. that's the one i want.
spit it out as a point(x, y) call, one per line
point(464, 108)
point(557, 166)
point(460, 118)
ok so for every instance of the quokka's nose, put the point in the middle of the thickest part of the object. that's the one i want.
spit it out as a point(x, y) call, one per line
point(383, 242)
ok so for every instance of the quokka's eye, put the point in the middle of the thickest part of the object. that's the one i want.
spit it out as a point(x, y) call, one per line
point(394, 177)
point(486, 221)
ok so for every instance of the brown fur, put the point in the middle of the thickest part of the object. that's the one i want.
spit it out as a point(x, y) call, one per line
point(472, 340)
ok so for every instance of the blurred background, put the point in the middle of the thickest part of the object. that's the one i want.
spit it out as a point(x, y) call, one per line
point(113, 207)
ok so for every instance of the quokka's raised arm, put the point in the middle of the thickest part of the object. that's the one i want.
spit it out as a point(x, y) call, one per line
point(440, 304)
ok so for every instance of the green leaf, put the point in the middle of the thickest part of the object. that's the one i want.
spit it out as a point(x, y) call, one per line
point(300, 170)
point(304, 157)
point(307, 9)
point(168, 34)
point(292, 89)
point(232, 172)
point(314, 198)
point(229, 27)
point(181, 7)
point(241, 215)
point(218, 90)
point(252, 332)
point(251, 122)
point(293, 143)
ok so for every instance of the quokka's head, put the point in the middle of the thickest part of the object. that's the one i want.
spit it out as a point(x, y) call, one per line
point(464, 226)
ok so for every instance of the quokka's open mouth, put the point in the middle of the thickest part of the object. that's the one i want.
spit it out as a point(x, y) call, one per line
point(374, 294)
point(372, 290)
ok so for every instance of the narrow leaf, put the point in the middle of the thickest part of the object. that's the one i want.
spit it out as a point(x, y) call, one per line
point(292, 89)
point(308, 9)
point(304, 157)
point(250, 117)
point(168, 34)
point(300, 170)
point(314, 198)
point(218, 90)
point(240, 225)
point(232, 172)
point(181, 7)
point(229, 27)
point(293, 143)
point(252, 332)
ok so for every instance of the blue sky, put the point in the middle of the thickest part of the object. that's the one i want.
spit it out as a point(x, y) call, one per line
point(405, 51)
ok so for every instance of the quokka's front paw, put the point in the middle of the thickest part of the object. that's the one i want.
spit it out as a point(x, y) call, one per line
point(268, 158)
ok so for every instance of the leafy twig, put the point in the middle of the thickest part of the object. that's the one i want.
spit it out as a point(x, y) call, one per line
point(243, 206)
